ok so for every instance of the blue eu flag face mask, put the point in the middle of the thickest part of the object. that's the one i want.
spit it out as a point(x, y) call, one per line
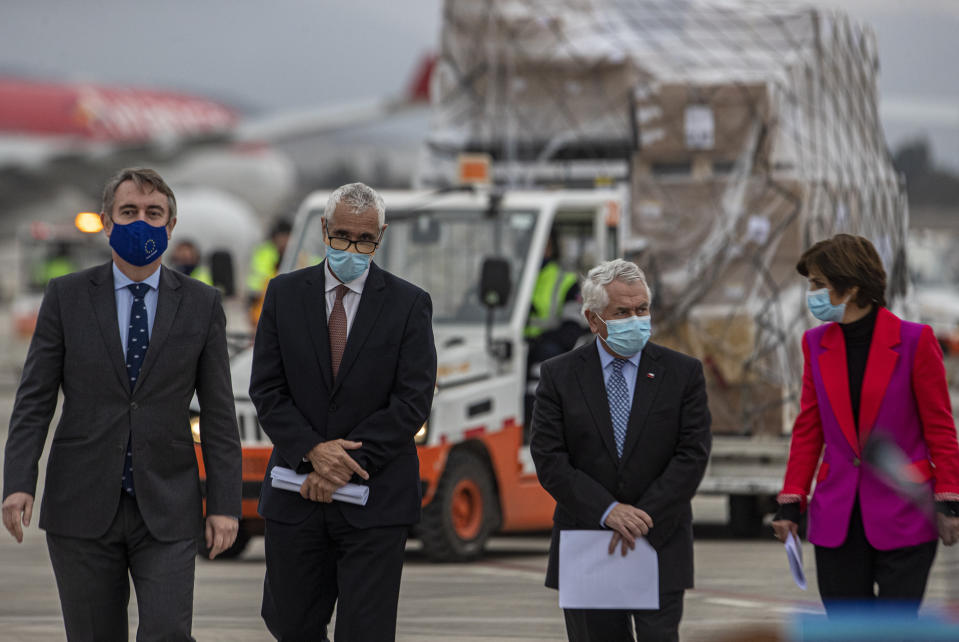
point(347, 266)
point(823, 308)
point(627, 337)
point(138, 243)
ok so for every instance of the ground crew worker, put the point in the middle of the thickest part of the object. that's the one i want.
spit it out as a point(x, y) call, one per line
point(555, 321)
point(57, 264)
point(263, 266)
point(554, 288)
point(186, 260)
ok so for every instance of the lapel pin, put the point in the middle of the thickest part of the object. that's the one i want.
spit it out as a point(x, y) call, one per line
point(650, 375)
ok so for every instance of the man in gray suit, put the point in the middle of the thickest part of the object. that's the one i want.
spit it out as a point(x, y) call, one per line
point(128, 343)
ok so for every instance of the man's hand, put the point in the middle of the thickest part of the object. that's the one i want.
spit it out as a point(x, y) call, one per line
point(948, 526)
point(220, 533)
point(331, 461)
point(318, 489)
point(17, 509)
point(629, 523)
point(783, 527)
point(619, 540)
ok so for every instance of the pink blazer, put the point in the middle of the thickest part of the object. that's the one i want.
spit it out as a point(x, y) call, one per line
point(904, 395)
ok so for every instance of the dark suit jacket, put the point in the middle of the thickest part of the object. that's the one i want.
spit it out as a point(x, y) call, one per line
point(664, 457)
point(381, 396)
point(76, 347)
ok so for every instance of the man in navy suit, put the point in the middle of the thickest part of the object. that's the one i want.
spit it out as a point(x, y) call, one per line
point(344, 368)
point(621, 440)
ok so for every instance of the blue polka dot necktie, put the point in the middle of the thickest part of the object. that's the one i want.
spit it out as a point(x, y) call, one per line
point(619, 402)
point(138, 340)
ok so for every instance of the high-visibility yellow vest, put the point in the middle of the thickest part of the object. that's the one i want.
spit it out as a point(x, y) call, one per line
point(549, 293)
point(262, 267)
point(52, 268)
point(201, 274)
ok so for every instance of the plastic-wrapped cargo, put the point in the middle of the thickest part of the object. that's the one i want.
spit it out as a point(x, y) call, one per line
point(747, 131)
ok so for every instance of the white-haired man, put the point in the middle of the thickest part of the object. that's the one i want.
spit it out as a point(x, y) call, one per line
point(621, 440)
point(343, 373)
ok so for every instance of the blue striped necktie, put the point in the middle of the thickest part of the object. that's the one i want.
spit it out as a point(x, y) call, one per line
point(138, 340)
point(619, 403)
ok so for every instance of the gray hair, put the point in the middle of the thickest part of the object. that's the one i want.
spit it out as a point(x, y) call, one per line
point(146, 180)
point(359, 198)
point(595, 297)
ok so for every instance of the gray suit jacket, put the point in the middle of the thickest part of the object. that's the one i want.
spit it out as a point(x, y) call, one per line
point(76, 347)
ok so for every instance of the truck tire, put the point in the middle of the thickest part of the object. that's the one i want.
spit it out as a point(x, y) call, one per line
point(745, 516)
point(243, 537)
point(463, 513)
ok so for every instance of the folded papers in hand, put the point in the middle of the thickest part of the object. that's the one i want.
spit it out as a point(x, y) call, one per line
point(794, 555)
point(592, 578)
point(287, 479)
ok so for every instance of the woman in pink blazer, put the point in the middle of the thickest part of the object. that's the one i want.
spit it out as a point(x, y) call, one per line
point(875, 417)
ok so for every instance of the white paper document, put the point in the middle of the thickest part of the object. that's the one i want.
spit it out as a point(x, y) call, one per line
point(286, 479)
point(794, 555)
point(591, 578)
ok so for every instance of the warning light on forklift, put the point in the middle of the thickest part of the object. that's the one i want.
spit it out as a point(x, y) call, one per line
point(474, 169)
point(88, 222)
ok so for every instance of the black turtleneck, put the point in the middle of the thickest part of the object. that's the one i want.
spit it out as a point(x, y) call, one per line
point(858, 336)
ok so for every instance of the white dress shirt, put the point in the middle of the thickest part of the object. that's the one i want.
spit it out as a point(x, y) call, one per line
point(351, 300)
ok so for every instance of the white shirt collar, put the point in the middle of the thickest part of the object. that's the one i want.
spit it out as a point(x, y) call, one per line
point(356, 285)
point(121, 280)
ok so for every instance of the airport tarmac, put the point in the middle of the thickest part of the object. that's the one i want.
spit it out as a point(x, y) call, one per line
point(741, 586)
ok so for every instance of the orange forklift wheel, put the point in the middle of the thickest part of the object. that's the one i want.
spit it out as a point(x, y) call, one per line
point(467, 509)
point(463, 512)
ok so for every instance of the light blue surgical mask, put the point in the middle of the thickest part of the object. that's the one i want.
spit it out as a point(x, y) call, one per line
point(627, 337)
point(347, 266)
point(823, 308)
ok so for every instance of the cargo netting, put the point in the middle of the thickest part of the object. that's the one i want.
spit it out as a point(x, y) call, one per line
point(746, 130)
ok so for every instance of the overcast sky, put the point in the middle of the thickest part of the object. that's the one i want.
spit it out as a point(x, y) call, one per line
point(286, 54)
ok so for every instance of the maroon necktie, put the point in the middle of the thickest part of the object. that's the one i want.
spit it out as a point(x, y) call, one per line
point(338, 329)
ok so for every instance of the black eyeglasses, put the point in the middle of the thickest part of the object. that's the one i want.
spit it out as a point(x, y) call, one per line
point(363, 247)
